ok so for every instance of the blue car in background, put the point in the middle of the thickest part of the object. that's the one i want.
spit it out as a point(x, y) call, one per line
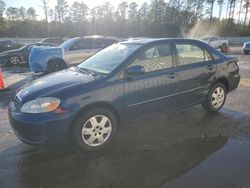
point(122, 83)
point(246, 48)
point(71, 52)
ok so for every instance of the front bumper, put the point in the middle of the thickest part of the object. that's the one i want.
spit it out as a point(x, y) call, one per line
point(40, 129)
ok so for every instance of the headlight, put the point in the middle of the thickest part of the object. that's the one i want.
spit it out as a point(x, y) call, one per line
point(40, 105)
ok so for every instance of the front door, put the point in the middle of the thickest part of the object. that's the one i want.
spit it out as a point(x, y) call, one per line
point(155, 90)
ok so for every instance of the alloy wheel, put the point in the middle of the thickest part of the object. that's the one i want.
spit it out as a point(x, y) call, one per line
point(96, 130)
point(14, 60)
point(218, 97)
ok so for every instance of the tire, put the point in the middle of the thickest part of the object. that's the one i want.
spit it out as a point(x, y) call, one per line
point(212, 104)
point(15, 60)
point(90, 134)
point(56, 65)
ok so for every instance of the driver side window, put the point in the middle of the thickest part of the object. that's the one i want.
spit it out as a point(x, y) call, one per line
point(155, 58)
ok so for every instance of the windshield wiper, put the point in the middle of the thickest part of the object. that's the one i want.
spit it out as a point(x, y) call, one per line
point(87, 70)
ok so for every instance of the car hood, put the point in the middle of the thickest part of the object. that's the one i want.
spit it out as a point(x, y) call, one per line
point(53, 82)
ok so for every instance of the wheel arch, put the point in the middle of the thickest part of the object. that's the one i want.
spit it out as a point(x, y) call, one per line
point(56, 59)
point(224, 81)
point(105, 105)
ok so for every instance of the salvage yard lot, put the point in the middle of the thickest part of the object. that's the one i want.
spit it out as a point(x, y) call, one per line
point(171, 150)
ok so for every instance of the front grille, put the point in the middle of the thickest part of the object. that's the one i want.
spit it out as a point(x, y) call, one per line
point(17, 102)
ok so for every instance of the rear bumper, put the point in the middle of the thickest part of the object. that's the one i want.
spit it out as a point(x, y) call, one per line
point(234, 82)
point(3, 60)
point(37, 130)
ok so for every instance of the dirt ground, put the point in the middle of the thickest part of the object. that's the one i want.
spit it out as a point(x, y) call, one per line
point(184, 148)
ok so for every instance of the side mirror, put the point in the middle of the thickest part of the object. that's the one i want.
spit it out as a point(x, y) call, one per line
point(135, 70)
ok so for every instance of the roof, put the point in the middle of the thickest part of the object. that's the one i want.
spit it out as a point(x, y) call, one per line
point(145, 41)
point(100, 36)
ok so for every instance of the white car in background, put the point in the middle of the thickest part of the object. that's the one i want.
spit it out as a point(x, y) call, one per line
point(71, 52)
point(216, 42)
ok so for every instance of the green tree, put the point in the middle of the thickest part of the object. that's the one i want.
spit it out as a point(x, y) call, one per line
point(2, 8)
point(210, 8)
point(246, 7)
point(61, 10)
point(22, 13)
point(31, 14)
point(79, 12)
point(12, 13)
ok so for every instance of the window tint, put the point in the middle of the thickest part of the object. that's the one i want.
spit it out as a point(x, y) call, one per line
point(155, 58)
point(83, 44)
point(99, 43)
point(189, 54)
point(108, 42)
point(103, 43)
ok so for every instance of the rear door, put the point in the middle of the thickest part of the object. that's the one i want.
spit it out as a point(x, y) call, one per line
point(156, 90)
point(196, 67)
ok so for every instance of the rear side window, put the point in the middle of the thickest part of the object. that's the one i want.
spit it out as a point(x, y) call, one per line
point(108, 42)
point(82, 44)
point(155, 58)
point(103, 43)
point(190, 54)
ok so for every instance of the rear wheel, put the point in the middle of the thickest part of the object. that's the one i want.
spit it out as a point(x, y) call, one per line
point(15, 60)
point(94, 129)
point(216, 98)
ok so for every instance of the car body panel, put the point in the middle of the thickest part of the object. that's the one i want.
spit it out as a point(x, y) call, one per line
point(22, 53)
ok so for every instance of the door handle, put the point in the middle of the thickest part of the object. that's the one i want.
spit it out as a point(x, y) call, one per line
point(172, 75)
point(210, 67)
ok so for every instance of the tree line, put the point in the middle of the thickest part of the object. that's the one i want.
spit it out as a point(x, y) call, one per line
point(171, 18)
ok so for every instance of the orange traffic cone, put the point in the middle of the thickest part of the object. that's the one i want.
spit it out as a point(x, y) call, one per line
point(1, 80)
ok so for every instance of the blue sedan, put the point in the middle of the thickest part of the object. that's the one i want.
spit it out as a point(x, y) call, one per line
point(122, 83)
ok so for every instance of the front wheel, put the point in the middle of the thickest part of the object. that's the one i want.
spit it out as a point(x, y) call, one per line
point(216, 98)
point(94, 129)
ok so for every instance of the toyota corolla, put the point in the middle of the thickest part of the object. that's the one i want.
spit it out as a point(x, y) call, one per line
point(124, 82)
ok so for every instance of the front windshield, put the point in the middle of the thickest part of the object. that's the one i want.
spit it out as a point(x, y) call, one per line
point(109, 58)
point(67, 44)
point(247, 44)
